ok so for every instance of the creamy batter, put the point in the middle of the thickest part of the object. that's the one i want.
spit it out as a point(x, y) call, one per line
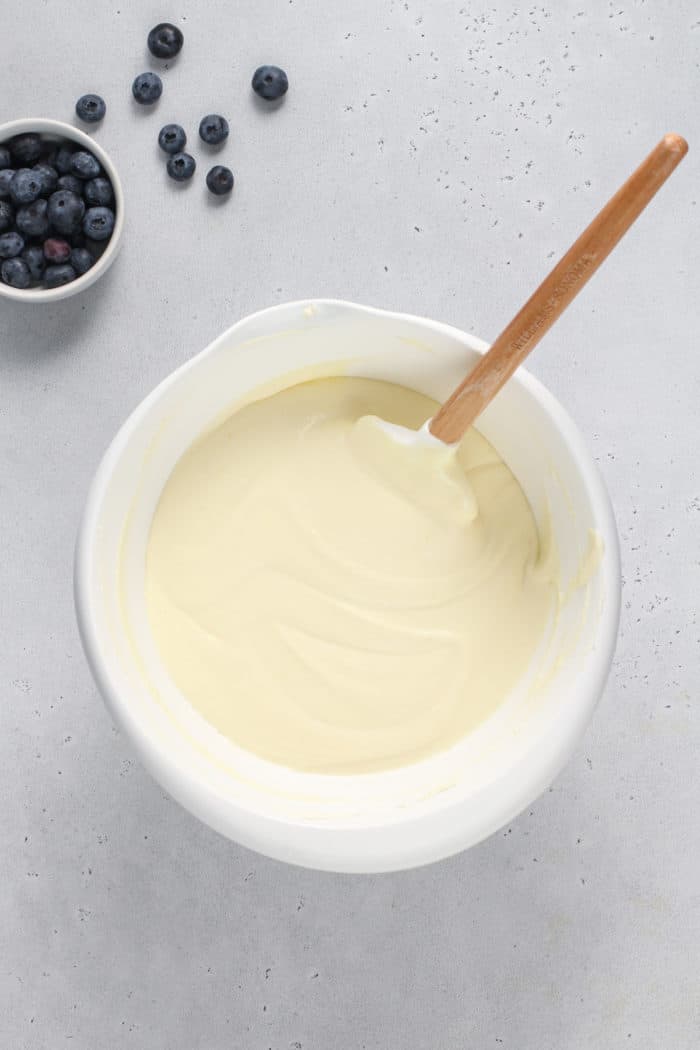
point(316, 607)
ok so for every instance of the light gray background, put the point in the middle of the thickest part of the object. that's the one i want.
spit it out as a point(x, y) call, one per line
point(430, 157)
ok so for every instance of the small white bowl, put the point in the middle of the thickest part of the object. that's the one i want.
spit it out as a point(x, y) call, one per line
point(381, 821)
point(57, 129)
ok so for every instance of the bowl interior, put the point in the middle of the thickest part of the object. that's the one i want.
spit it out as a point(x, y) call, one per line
point(343, 822)
point(54, 130)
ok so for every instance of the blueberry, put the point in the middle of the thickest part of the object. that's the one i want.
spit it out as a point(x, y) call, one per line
point(66, 211)
point(25, 149)
point(5, 180)
point(25, 186)
point(15, 272)
point(220, 180)
point(270, 82)
point(48, 176)
point(70, 182)
point(213, 129)
point(7, 216)
point(90, 108)
point(165, 40)
point(98, 191)
point(34, 258)
point(98, 223)
point(84, 165)
point(147, 88)
point(172, 138)
point(81, 260)
point(56, 250)
point(32, 219)
point(55, 276)
point(11, 244)
point(5, 159)
point(62, 160)
point(181, 166)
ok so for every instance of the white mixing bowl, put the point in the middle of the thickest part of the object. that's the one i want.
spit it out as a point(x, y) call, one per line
point(380, 821)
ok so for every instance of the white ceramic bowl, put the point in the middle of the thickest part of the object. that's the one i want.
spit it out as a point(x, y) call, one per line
point(373, 822)
point(57, 129)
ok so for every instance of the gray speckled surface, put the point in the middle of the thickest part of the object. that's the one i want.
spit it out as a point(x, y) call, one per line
point(431, 157)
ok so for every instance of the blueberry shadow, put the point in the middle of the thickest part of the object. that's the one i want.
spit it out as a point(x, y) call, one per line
point(263, 106)
point(140, 110)
point(87, 129)
point(179, 184)
point(212, 201)
point(211, 147)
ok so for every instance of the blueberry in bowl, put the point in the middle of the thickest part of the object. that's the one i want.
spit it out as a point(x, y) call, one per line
point(25, 150)
point(85, 165)
point(16, 273)
point(7, 216)
point(61, 210)
point(25, 186)
point(98, 191)
point(65, 210)
point(98, 223)
point(32, 220)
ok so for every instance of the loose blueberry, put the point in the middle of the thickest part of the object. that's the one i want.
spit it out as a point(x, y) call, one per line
point(15, 272)
point(165, 40)
point(11, 244)
point(62, 160)
point(49, 178)
point(5, 159)
point(81, 260)
point(213, 129)
point(26, 149)
point(25, 186)
point(7, 216)
point(32, 219)
point(220, 180)
point(270, 82)
point(55, 276)
point(84, 165)
point(98, 223)
point(5, 180)
point(98, 191)
point(181, 166)
point(56, 250)
point(90, 108)
point(34, 258)
point(70, 182)
point(147, 88)
point(66, 211)
point(172, 138)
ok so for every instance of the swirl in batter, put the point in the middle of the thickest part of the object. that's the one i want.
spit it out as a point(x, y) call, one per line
point(325, 618)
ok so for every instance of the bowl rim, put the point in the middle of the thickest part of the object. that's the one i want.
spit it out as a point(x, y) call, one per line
point(409, 841)
point(47, 126)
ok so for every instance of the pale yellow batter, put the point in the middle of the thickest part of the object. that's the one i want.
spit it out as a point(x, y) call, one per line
point(324, 617)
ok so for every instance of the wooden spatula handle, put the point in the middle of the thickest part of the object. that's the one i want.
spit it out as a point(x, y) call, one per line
point(556, 291)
